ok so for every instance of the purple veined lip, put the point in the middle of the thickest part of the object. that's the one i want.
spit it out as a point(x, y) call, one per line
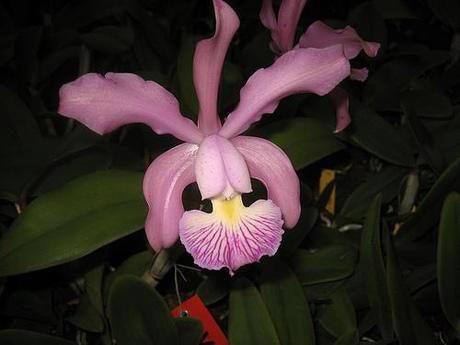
point(232, 235)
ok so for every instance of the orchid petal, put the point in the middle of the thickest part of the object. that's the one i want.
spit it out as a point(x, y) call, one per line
point(220, 169)
point(341, 100)
point(207, 66)
point(268, 19)
point(164, 183)
point(269, 164)
point(288, 17)
point(359, 74)
point(320, 35)
point(300, 70)
point(104, 103)
point(267, 15)
point(232, 235)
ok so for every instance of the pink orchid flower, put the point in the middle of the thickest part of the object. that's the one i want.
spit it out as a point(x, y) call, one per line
point(216, 156)
point(318, 35)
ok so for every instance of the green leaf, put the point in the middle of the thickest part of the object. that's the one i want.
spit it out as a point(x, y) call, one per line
point(394, 9)
point(371, 261)
point(75, 165)
point(422, 137)
point(26, 155)
point(231, 82)
point(110, 39)
point(351, 338)
point(421, 277)
point(385, 86)
point(325, 264)
point(214, 287)
point(86, 12)
point(368, 22)
point(138, 315)
point(427, 213)
point(428, 103)
point(375, 135)
point(190, 331)
point(86, 316)
point(447, 11)
point(323, 291)
point(184, 74)
point(249, 321)
point(338, 317)
point(73, 221)
point(448, 263)
point(27, 46)
point(137, 264)
point(22, 337)
point(304, 140)
point(286, 303)
point(294, 237)
point(17, 124)
point(93, 287)
point(387, 182)
point(409, 325)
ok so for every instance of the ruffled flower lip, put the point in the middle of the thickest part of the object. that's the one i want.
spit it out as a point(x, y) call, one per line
point(232, 235)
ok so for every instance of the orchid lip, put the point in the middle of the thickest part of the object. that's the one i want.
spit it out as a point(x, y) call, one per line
point(232, 235)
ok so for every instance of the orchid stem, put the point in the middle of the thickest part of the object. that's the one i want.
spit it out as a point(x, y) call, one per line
point(163, 261)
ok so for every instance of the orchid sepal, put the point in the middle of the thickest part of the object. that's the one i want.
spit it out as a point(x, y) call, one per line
point(104, 103)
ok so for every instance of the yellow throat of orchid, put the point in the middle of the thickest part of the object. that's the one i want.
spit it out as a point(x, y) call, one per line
point(228, 211)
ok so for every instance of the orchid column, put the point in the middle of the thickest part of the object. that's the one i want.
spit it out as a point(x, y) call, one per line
point(215, 156)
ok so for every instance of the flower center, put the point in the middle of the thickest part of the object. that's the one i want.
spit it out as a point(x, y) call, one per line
point(228, 210)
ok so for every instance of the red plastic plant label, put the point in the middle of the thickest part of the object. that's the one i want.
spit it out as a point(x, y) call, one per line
point(195, 308)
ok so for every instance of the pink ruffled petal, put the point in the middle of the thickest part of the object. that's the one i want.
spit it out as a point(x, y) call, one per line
point(104, 103)
point(359, 74)
point(341, 100)
point(207, 66)
point(300, 70)
point(269, 164)
point(288, 18)
point(233, 238)
point(320, 35)
point(164, 183)
point(220, 169)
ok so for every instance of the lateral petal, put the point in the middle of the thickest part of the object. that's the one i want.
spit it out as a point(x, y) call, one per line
point(269, 164)
point(104, 103)
point(207, 65)
point(220, 169)
point(320, 35)
point(164, 183)
point(298, 71)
